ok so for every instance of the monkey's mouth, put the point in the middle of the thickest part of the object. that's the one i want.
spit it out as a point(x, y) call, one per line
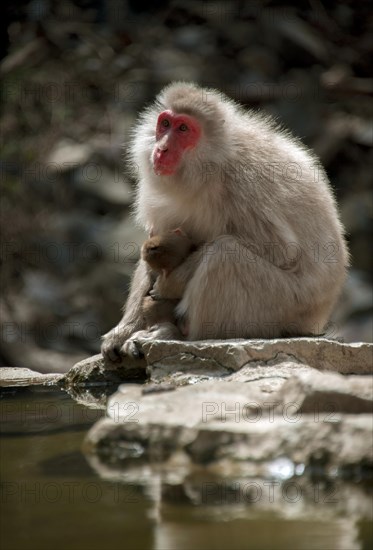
point(164, 163)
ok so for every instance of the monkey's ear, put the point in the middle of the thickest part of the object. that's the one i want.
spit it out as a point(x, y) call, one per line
point(151, 232)
point(179, 231)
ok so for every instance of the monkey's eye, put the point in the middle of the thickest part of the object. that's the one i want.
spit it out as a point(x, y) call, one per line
point(165, 123)
point(183, 127)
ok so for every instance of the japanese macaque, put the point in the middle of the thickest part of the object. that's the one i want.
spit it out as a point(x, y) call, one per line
point(271, 257)
point(163, 253)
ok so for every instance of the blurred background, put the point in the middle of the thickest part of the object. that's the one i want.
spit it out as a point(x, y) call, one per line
point(75, 74)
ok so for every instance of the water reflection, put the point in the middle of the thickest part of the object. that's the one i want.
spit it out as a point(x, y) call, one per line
point(54, 497)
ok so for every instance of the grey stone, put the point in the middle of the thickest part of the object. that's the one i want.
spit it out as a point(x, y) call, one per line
point(226, 355)
point(229, 410)
point(67, 153)
point(14, 377)
point(94, 372)
point(235, 404)
point(180, 363)
point(273, 409)
point(313, 392)
point(105, 185)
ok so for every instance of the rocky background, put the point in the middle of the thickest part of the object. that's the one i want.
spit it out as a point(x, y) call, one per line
point(75, 75)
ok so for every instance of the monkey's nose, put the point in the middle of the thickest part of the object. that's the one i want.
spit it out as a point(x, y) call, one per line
point(162, 144)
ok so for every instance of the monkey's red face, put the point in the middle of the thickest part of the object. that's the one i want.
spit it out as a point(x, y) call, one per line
point(175, 134)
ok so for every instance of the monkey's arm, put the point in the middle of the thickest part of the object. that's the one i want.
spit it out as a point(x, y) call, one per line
point(172, 286)
point(132, 320)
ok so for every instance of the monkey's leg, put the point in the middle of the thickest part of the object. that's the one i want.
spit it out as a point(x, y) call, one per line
point(235, 294)
point(132, 321)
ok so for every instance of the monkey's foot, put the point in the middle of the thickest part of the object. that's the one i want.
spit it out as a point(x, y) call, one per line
point(163, 331)
point(117, 345)
point(133, 346)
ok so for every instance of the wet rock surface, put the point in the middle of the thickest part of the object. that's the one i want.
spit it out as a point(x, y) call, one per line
point(211, 424)
point(18, 377)
point(235, 406)
point(93, 371)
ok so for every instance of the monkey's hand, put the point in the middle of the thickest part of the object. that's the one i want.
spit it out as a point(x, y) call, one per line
point(166, 287)
point(171, 286)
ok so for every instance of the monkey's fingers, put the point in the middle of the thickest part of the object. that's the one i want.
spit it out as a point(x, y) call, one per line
point(132, 348)
point(154, 294)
